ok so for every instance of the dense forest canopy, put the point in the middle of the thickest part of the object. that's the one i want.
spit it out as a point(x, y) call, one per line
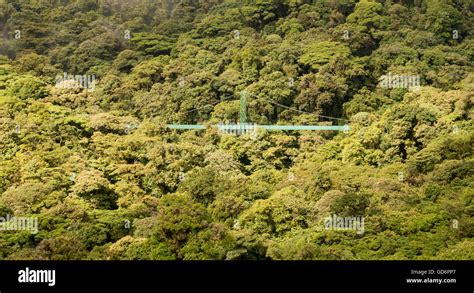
point(87, 88)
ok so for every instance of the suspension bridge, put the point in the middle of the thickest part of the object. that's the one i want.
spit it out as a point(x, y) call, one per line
point(243, 126)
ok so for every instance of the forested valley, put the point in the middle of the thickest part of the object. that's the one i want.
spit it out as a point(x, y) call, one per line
point(89, 87)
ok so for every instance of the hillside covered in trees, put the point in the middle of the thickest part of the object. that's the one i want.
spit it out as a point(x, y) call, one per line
point(90, 156)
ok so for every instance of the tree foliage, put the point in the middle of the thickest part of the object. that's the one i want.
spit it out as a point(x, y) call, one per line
point(107, 179)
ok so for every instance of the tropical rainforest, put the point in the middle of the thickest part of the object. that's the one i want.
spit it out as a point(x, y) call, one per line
point(107, 179)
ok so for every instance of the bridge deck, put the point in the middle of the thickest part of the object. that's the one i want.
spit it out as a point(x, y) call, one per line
point(266, 127)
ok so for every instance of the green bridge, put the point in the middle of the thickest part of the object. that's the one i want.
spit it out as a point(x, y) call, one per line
point(266, 127)
point(243, 126)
